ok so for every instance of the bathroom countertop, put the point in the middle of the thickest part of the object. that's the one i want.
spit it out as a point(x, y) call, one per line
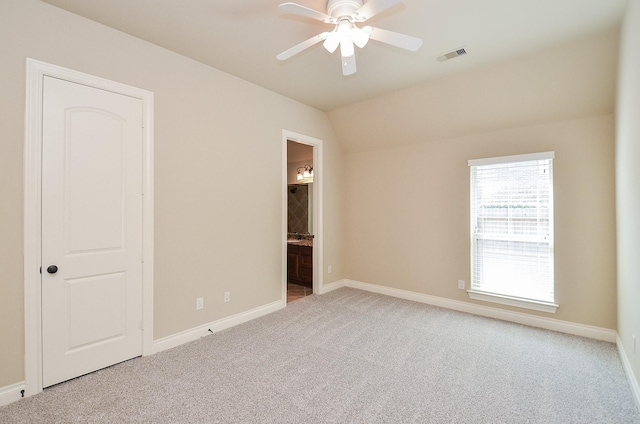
point(303, 242)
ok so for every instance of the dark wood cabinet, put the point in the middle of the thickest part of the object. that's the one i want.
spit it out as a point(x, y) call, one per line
point(300, 265)
point(293, 263)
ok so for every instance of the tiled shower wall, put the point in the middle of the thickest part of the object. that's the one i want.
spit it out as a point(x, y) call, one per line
point(298, 204)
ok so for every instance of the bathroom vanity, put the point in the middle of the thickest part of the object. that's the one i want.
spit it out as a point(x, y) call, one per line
point(300, 262)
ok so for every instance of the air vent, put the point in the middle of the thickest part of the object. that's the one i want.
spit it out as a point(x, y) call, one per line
point(451, 55)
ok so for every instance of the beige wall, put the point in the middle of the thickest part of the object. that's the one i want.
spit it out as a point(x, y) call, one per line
point(408, 201)
point(628, 186)
point(408, 221)
point(208, 236)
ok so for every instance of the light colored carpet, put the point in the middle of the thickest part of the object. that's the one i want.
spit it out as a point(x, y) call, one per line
point(353, 357)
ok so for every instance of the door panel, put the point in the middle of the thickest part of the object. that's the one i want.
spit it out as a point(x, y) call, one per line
point(104, 296)
point(94, 199)
point(91, 229)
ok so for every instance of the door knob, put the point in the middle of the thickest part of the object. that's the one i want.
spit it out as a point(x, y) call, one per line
point(52, 269)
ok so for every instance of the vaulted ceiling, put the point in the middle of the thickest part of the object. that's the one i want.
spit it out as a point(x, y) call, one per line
point(242, 37)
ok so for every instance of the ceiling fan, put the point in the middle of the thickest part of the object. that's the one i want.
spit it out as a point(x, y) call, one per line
point(345, 14)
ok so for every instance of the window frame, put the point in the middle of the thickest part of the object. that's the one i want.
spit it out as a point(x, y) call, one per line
point(500, 298)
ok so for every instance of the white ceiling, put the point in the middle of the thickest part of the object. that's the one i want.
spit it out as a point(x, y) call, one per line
point(242, 37)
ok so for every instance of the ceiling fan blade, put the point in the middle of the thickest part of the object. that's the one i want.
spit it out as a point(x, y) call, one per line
point(348, 65)
point(403, 41)
point(372, 8)
point(305, 11)
point(302, 46)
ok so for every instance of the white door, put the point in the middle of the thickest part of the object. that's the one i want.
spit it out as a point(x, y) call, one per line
point(91, 229)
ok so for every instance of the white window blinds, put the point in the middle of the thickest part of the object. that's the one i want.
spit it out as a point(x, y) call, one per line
point(512, 226)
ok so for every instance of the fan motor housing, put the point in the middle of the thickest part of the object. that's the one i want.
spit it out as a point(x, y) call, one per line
point(338, 8)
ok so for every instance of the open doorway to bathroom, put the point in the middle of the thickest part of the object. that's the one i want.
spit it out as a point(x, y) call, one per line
point(300, 220)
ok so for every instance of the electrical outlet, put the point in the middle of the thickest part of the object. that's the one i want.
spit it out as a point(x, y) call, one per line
point(461, 284)
point(329, 269)
point(199, 303)
point(227, 296)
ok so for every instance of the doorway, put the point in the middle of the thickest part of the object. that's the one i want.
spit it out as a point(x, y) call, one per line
point(102, 274)
point(302, 216)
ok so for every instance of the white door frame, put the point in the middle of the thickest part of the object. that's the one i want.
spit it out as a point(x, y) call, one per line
point(318, 251)
point(36, 71)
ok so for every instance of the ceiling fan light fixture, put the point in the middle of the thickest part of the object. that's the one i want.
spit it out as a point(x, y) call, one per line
point(343, 34)
point(343, 29)
point(332, 42)
point(346, 47)
point(360, 37)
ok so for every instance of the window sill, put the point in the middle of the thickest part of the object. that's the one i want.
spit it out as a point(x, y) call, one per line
point(514, 301)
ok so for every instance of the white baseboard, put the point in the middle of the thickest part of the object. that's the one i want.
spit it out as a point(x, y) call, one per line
point(326, 288)
point(215, 326)
point(583, 330)
point(633, 381)
point(12, 393)
point(224, 323)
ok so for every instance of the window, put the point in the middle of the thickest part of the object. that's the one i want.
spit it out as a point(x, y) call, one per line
point(512, 230)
